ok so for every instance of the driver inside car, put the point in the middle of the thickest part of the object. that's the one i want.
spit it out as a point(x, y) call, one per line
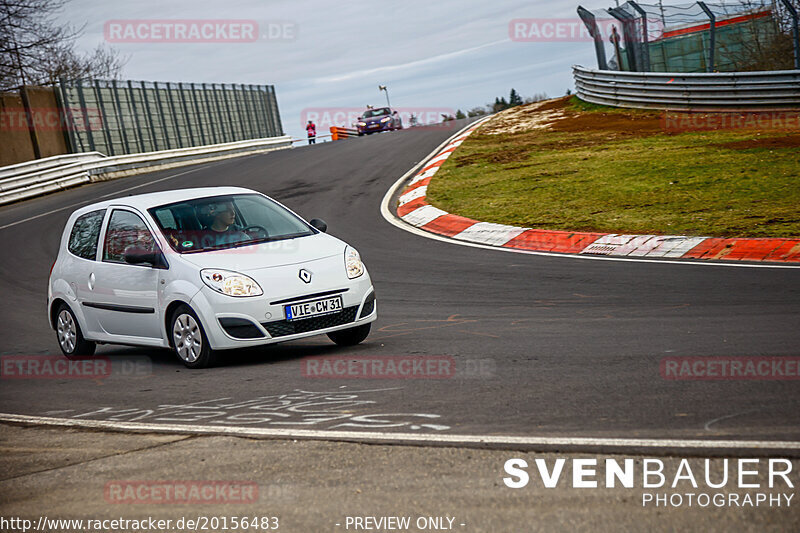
point(222, 228)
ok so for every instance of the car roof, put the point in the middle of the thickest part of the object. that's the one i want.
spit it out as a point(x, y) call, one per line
point(143, 202)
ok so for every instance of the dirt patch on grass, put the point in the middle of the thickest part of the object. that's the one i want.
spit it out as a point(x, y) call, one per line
point(559, 116)
point(538, 115)
point(769, 143)
point(509, 155)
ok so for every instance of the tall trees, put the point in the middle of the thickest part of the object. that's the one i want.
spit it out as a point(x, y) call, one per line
point(36, 50)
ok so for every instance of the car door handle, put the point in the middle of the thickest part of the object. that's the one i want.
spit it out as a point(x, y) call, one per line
point(91, 281)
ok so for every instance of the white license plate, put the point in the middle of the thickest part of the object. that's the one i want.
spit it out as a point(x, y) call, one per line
point(313, 308)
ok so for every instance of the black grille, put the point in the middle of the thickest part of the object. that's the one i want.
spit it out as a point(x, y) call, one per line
point(282, 328)
point(369, 306)
point(240, 328)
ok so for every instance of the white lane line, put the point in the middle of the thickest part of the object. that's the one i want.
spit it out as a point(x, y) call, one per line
point(383, 436)
point(115, 193)
point(391, 217)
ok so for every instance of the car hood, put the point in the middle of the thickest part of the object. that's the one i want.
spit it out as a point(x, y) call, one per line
point(269, 254)
point(375, 119)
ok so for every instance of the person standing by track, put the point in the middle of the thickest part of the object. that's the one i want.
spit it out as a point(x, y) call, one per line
point(311, 129)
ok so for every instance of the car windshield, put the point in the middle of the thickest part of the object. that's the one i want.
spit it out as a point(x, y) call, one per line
point(369, 113)
point(226, 222)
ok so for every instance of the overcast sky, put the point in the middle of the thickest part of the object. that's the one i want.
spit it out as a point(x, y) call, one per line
point(431, 54)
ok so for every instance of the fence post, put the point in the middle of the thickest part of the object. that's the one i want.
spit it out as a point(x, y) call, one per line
point(248, 112)
point(186, 120)
point(711, 34)
point(262, 104)
point(135, 113)
point(178, 137)
point(220, 118)
point(66, 115)
point(626, 21)
point(274, 100)
point(162, 115)
point(153, 141)
point(795, 33)
point(212, 130)
point(199, 116)
point(120, 120)
point(98, 95)
point(82, 100)
point(590, 21)
point(26, 106)
point(228, 112)
point(237, 105)
point(645, 37)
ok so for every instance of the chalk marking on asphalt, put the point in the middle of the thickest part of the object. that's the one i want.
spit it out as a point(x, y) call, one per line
point(410, 438)
point(93, 200)
point(391, 217)
point(708, 425)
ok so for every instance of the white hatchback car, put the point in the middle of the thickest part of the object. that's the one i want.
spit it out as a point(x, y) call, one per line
point(203, 270)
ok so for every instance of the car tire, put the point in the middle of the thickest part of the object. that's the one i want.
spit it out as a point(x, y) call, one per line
point(188, 339)
point(69, 334)
point(350, 337)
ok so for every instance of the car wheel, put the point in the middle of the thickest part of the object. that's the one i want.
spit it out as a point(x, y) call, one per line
point(70, 336)
point(350, 337)
point(189, 339)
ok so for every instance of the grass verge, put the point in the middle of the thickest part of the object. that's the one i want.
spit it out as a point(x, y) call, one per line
point(589, 168)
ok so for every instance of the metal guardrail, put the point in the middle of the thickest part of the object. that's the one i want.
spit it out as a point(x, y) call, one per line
point(38, 165)
point(25, 185)
point(778, 89)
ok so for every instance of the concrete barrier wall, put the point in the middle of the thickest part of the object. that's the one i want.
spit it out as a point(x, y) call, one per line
point(16, 145)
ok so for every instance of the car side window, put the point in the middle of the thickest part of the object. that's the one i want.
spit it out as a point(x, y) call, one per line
point(85, 234)
point(126, 230)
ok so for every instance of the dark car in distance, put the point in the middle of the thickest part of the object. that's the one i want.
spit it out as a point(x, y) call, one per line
point(379, 119)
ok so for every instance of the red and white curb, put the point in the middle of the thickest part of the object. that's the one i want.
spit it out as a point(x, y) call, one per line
point(413, 208)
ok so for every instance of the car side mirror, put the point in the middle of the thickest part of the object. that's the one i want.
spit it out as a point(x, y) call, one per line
point(319, 224)
point(140, 256)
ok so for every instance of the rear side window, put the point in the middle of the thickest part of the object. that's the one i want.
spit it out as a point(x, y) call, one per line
point(85, 234)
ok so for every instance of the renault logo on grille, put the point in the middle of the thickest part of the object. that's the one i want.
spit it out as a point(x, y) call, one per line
point(305, 275)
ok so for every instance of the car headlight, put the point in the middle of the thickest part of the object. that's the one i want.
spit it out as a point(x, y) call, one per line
point(352, 263)
point(362, 124)
point(387, 119)
point(230, 283)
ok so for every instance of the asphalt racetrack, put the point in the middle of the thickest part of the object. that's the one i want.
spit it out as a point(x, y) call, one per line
point(542, 346)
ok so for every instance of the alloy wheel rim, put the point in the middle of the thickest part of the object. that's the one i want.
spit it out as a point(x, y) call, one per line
point(188, 338)
point(67, 332)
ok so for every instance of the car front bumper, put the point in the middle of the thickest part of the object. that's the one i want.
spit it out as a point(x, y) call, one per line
point(240, 322)
point(370, 128)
